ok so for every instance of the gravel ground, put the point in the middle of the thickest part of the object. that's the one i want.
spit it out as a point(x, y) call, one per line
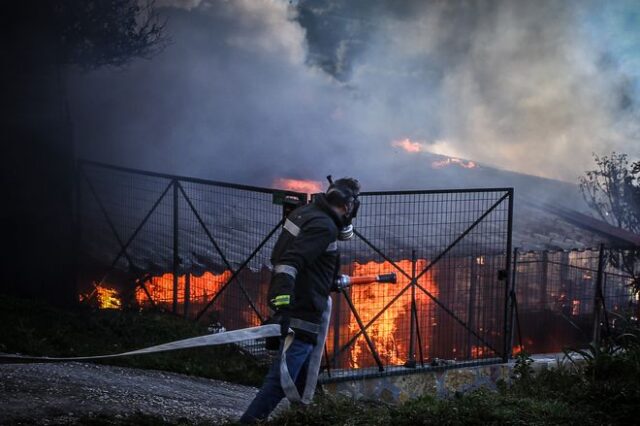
point(64, 392)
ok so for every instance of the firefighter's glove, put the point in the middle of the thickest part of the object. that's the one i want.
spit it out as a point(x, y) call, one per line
point(280, 302)
point(281, 318)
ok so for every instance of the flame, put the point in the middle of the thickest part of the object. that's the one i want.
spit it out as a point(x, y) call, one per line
point(415, 147)
point(201, 289)
point(108, 298)
point(479, 351)
point(298, 185)
point(369, 301)
point(453, 161)
point(388, 332)
point(408, 145)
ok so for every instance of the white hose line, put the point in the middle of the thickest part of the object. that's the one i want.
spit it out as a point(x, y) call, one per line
point(269, 330)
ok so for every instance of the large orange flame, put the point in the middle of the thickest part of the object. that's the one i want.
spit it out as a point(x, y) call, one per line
point(395, 321)
point(389, 333)
point(201, 289)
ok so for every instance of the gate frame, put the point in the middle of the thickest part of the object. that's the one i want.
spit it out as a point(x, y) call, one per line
point(503, 275)
point(175, 184)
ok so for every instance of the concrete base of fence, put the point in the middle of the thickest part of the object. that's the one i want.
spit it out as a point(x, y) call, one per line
point(401, 385)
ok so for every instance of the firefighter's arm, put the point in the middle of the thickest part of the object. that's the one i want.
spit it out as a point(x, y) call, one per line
point(313, 240)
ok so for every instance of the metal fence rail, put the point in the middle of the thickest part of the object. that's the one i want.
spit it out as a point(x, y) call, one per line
point(562, 296)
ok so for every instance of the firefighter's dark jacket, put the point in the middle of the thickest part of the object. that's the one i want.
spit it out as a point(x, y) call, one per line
point(307, 251)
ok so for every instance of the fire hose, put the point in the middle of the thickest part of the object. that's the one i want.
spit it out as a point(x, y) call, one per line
point(251, 333)
point(344, 281)
point(235, 336)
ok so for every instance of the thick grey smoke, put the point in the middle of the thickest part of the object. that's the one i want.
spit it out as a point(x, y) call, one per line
point(231, 99)
point(254, 89)
point(519, 85)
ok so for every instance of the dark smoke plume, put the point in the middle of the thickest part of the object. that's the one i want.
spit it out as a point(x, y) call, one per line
point(250, 90)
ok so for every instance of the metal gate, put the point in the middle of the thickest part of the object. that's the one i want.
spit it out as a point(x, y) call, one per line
point(449, 250)
point(193, 247)
point(201, 249)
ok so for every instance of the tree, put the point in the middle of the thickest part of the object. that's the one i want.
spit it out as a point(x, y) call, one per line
point(107, 32)
point(43, 40)
point(612, 190)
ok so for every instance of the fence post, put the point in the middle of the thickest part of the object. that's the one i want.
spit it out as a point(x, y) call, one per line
point(514, 306)
point(77, 223)
point(411, 359)
point(598, 301)
point(176, 239)
point(545, 279)
point(507, 280)
point(473, 300)
point(187, 293)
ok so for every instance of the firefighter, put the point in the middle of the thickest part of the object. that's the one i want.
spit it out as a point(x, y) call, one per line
point(305, 260)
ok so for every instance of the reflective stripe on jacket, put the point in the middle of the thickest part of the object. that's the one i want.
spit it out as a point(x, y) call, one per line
point(304, 260)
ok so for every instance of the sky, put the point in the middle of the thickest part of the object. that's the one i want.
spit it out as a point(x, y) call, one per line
point(255, 90)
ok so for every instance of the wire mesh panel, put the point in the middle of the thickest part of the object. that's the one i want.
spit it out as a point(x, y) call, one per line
point(123, 230)
point(557, 298)
point(197, 248)
point(449, 252)
point(620, 280)
point(618, 295)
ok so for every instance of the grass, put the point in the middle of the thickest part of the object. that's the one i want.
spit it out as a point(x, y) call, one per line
point(603, 389)
point(35, 328)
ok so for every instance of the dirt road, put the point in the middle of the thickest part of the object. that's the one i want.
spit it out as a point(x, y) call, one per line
point(61, 393)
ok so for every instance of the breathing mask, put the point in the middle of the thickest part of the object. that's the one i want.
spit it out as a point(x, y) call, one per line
point(342, 194)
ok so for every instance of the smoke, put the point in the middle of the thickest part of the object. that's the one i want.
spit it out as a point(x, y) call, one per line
point(252, 90)
point(526, 86)
point(231, 99)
